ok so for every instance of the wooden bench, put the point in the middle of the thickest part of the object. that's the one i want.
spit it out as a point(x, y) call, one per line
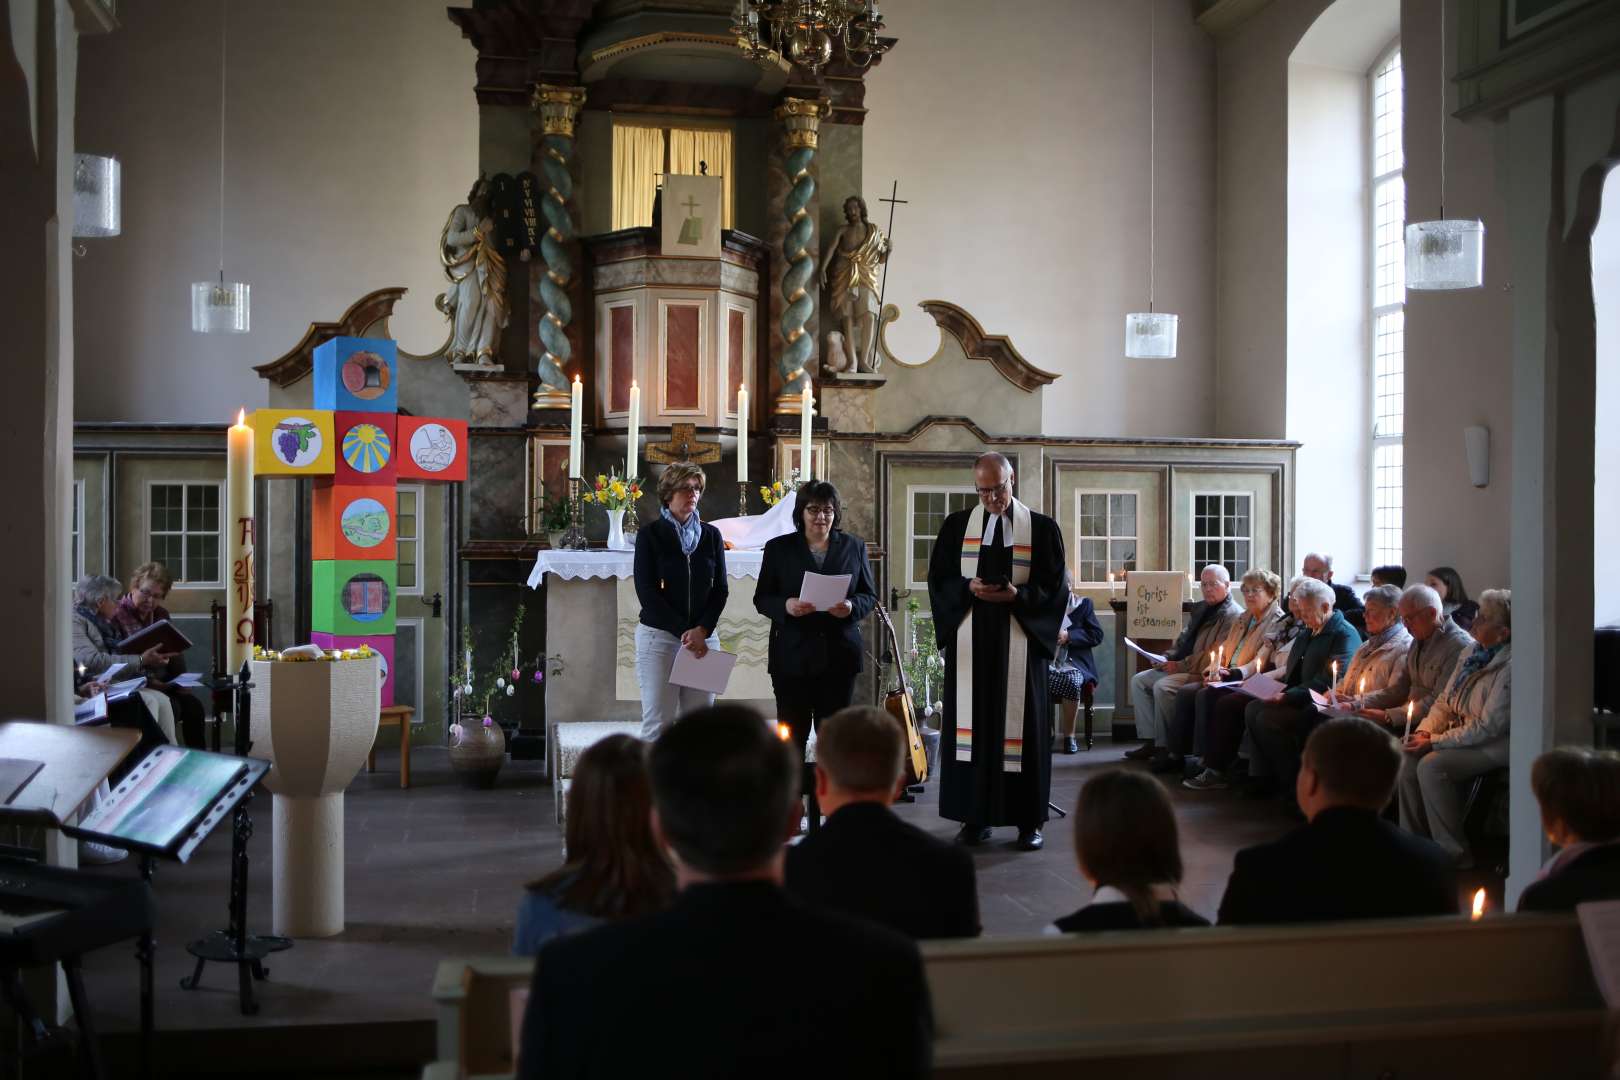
point(395, 716)
point(1508, 996)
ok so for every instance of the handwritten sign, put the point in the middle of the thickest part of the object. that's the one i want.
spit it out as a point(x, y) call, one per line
point(1153, 603)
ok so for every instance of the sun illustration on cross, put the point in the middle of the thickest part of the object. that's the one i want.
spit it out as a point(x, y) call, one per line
point(366, 448)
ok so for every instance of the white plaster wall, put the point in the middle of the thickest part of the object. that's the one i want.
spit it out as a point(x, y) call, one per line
point(352, 131)
point(1022, 145)
point(1328, 387)
point(1606, 503)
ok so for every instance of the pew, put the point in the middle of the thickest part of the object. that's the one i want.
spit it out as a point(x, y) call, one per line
point(1507, 996)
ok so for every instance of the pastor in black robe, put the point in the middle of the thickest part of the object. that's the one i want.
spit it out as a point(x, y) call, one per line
point(980, 792)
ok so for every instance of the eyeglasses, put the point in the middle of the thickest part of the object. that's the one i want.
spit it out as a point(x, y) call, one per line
point(153, 594)
point(690, 489)
point(985, 493)
point(820, 511)
point(1253, 590)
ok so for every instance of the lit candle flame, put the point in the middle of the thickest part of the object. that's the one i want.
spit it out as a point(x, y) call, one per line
point(1361, 687)
point(784, 732)
point(241, 417)
point(1479, 904)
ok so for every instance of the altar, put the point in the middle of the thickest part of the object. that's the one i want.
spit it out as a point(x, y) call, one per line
point(591, 615)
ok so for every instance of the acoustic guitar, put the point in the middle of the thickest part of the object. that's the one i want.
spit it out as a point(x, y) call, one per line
point(899, 705)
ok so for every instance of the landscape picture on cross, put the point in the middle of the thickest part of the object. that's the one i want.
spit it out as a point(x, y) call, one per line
point(297, 441)
point(365, 523)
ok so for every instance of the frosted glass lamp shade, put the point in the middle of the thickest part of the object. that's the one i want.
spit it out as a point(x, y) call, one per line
point(98, 184)
point(219, 307)
point(1445, 255)
point(1151, 335)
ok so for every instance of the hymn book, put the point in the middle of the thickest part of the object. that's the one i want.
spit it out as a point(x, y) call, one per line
point(162, 633)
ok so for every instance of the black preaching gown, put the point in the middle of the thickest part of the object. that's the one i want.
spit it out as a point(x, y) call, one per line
point(980, 791)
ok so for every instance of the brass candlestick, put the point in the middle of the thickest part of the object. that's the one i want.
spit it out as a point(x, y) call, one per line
point(632, 519)
point(574, 538)
point(742, 498)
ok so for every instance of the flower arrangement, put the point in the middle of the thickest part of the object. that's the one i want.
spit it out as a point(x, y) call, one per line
point(923, 661)
point(776, 491)
point(615, 492)
point(473, 689)
point(310, 653)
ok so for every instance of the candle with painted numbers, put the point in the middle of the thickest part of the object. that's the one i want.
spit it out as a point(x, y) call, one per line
point(742, 434)
point(576, 452)
point(239, 524)
point(806, 407)
point(635, 432)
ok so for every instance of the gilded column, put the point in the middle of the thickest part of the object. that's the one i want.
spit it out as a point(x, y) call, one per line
point(558, 107)
point(801, 118)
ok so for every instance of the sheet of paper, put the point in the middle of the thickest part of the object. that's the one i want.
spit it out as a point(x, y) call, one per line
point(122, 690)
point(1600, 926)
point(824, 590)
point(92, 711)
point(189, 678)
point(110, 672)
point(1226, 685)
point(710, 672)
point(1150, 657)
point(1263, 686)
point(1327, 707)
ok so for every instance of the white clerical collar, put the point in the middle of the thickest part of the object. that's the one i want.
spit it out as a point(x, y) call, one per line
point(1004, 536)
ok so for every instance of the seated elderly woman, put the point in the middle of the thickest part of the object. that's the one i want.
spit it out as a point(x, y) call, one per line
point(1465, 734)
point(95, 637)
point(1246, 649)
point(1072, 668)
point(1382, 657)
point(1579, 794)
point(1280, 726)
point(148, 588)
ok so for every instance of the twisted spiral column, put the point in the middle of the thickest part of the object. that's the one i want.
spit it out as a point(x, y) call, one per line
point(802, 119)
point(558, 107)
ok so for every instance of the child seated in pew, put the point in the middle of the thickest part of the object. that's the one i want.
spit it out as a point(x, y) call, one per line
point(614, 868)
point(1579, 794)
point(1126, 842)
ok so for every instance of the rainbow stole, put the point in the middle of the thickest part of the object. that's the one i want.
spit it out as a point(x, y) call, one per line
point(1012, 717)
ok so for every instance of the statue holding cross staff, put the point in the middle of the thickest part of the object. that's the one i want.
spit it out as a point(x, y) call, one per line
point(851, 272)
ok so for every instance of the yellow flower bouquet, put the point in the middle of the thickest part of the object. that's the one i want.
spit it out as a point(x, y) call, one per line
point(614, 492)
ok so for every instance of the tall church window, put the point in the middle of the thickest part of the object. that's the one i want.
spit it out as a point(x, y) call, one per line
point(643, 153)
point(930, 506)
point(408, 538)
point(1105, 522)
point(76, 566)
point(184, 531)
point(1388, 292)
point(1223, 531)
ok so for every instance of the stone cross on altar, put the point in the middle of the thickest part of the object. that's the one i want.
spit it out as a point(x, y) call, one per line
point(357, 446)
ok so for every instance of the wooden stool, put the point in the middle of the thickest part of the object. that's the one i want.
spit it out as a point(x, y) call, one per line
point(395, 716)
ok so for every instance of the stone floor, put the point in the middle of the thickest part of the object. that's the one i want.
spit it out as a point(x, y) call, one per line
point(437, 870)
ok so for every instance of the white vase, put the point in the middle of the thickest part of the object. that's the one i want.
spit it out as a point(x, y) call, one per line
point(616, 540)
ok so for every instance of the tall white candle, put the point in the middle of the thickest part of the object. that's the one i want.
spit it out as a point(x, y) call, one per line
point(635, 432)
point(742, 434)
point(575, 440)
point(806, 406)
point(239, 523)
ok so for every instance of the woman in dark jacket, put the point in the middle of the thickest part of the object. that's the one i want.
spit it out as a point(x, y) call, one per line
point(680, 573)
point(814, 655)
point(1073, 667)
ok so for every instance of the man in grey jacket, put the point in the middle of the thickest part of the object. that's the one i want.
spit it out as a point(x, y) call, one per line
point(1153, 692)
point(1437, 642)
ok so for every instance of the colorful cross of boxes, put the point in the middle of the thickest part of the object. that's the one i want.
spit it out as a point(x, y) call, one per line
point(356, 446)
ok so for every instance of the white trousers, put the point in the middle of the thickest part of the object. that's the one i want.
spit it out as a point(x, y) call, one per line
point(662, 703)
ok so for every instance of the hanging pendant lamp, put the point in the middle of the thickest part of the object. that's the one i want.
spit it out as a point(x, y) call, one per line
point(220, 307)
point(1151, 335)
point(1448, 253)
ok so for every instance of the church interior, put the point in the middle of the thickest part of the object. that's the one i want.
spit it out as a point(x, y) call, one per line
point(1188, 266)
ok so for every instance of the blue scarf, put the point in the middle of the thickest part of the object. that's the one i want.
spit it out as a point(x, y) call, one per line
point(1477, 660)
point(688, 533)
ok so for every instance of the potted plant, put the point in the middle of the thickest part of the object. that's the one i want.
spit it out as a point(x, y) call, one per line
point(551, 517)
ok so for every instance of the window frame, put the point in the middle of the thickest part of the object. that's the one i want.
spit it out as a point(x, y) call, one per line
point(912, 491)
point(180, 580)
point(1080, 537)
point(76, 532)
point(1378, 553)
point(1195, 567)
point(420, 491)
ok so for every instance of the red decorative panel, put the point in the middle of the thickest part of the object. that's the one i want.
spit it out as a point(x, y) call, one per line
point(734, 356)
point(681, 351)
point(622, 343)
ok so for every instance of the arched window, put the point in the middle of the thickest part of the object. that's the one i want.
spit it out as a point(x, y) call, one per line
point(1388, 295)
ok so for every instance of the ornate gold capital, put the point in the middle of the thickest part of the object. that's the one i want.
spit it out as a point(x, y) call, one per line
point(558, 107)
point(802, 118)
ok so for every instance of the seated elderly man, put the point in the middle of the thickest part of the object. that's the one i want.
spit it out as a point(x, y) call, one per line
point(1437, 642)
point(1382, 657)
point(1320, 567)
point(1153, 692)
point(1465, 733)
point(1279, 727)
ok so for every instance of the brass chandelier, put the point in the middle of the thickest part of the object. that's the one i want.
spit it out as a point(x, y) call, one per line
point(803, 31)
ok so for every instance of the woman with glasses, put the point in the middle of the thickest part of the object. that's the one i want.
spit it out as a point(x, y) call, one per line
point(141, 607)
point(680, 573)
point(814, 654)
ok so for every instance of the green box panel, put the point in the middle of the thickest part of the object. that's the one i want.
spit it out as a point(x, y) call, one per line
point(353, 596)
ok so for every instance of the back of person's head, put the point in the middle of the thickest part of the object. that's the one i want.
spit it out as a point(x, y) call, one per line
point(1580, 789)
point(1355, 761)
point(1389, 575)
point(1125, 836)
point(724, 783)
point(861, 749)
point(615, 868)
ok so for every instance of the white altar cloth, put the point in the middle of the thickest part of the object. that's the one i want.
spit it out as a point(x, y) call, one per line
point(579, 565)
